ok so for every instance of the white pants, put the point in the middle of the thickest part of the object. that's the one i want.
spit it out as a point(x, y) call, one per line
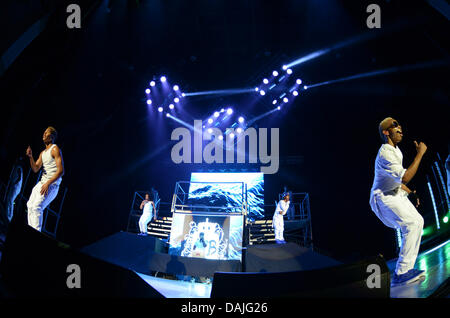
point(278, 226)
point(37, 203)
point(145, 218)
point(396, 211)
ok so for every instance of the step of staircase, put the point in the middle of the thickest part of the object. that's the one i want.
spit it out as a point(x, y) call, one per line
point(160, 227)
point(261, 232)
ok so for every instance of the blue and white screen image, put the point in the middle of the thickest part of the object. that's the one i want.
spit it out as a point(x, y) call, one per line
point(210, 237)
point(214, 193)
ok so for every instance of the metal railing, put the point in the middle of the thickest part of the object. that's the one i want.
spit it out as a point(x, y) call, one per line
point(300, 205)
point(135, 210)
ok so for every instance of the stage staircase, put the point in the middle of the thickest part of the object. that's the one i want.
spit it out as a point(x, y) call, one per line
point(160, 227)
point(261, 232)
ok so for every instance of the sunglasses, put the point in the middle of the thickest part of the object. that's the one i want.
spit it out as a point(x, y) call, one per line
point(395, 124)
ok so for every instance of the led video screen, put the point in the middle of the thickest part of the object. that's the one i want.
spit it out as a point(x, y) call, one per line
point(212, 193)
point(210, 237)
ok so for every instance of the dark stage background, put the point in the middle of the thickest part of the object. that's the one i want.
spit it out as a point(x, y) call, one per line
point(90, 83)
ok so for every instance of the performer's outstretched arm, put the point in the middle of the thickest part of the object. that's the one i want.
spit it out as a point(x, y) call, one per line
point(35, 165)
point(411, 171)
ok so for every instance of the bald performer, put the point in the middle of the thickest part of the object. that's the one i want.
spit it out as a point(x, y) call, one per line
point(389, 198)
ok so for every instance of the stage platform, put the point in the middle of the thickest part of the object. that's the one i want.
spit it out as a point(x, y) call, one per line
point(177, 289)
point(436, 263)
point(138, 254)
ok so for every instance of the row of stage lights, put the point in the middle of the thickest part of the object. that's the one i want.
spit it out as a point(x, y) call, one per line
point(226, 114)
point(175, 91)
point(268, 86)
point(209, 122)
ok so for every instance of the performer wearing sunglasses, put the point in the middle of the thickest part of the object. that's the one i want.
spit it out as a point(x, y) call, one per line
point(389, 198)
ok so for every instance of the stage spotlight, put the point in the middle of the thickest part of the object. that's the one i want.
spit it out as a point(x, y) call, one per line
point(445, 219)
point(149, 101)
point(210, 130)
point(147, 91)
point(152, 83)
point(274, 101)
point(285, 100)
point(229, 111)
point(262, 92)
point(175, 88)
point(239, 130)
point(171, 106)
point(289, 71)
point(222, 110)
point(163, 79)
point(210, 121)
point(183, 94)
point(220, 137)
point(265, 81)
point(160, 109)
point(216, 114)
point(285, 67)
point(167, 115)
point(275, 73)
point(256, 89)
point(231, 135)
point(176, 99)
point(298, 81)
point(279, 107)
point(305, 87)
point(241, 119)
point(295, 93)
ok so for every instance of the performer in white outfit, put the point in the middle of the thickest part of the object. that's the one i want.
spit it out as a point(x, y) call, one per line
point(278, 221)
point(147, 214)
point(47, 188)
point(389, 198)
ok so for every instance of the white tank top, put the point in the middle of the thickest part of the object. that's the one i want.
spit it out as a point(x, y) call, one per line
point(148, 207)
point(49, 166)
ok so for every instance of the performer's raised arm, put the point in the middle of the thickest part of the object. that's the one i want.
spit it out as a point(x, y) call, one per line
point(421, 148)
point(35, 165)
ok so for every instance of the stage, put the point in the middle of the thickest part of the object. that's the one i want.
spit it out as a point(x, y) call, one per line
point(175, 143)
point(177, 289)
point(129, 265)
point(436, 263)
point(259, 259)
